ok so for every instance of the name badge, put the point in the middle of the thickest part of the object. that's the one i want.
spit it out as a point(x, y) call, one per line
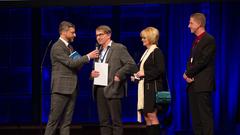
point(191, 60)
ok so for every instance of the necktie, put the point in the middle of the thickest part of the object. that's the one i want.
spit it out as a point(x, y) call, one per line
point(195, 43)
point(70, 48)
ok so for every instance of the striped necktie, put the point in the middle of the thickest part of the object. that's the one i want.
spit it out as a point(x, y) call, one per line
point(70, 48)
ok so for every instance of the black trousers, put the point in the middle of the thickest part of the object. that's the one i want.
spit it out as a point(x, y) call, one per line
point(109, 113)
point(201, 109)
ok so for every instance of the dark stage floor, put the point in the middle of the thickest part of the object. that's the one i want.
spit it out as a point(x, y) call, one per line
point(84, 129)
point(92, 129)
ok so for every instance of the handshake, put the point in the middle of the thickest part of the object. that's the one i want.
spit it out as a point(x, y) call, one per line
point(134, 78)
point(137, 76)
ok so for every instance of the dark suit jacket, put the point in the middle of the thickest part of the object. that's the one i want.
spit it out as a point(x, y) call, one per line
point(64, 69)
point(202, 67)
point(120, 63)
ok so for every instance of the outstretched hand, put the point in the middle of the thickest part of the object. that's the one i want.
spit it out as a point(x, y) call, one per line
point(93, 54)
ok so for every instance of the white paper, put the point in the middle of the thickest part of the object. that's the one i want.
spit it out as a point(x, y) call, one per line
point(102, 79)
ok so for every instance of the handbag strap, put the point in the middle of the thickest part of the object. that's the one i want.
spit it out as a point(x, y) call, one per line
point(155, 83)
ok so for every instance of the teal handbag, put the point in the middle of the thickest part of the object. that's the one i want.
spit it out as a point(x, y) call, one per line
point(163, 97)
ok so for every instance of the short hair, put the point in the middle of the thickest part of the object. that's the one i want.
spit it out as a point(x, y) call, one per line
point(105, 29)
point(151, 33)
point(200, 18)
point(64, 26)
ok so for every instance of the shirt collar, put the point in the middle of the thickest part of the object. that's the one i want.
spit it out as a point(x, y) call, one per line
point(109, 44)
point(200, 36)
point(64, 41)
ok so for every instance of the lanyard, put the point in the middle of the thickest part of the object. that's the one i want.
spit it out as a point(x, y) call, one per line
point(101, 59)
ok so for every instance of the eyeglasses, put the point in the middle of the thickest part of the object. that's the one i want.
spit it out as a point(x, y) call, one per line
point(100, 34)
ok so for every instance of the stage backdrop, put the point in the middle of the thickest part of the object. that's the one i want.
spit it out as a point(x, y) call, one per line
point(21, 26)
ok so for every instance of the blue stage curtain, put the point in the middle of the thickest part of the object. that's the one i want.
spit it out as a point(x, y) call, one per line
point(223, 22)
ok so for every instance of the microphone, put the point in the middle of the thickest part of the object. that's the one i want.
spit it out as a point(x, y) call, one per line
point(45, 53)
point(97, 46)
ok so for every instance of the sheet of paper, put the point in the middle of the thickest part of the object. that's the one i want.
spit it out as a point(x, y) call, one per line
point(102, 79)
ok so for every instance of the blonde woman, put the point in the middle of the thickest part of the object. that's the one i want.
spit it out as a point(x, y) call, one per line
point(150, 74)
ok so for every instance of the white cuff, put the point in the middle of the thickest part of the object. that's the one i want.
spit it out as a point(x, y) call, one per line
point(88, 57)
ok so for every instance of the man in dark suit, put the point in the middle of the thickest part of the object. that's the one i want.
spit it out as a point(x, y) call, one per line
point(64, 80)
point(200, 76)
point(108, 98)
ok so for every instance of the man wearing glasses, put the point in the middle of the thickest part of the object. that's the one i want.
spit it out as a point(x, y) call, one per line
point(108, 98)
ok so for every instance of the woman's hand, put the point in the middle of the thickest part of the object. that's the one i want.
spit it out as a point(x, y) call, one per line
point(139, 74)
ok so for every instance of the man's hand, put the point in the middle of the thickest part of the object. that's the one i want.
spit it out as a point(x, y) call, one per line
point(188, 80)
point(132, 78)
point(94, 74)
point(93, 54)
point(116, 78)
point(185, 76)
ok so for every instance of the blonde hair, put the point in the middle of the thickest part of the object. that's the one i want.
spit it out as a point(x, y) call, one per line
point(200, 18)
point(150, 33)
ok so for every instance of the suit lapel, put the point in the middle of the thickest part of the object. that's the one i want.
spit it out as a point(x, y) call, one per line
point(111, 50)
point(109, 53)
point(61, 43)
point(201, 43)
